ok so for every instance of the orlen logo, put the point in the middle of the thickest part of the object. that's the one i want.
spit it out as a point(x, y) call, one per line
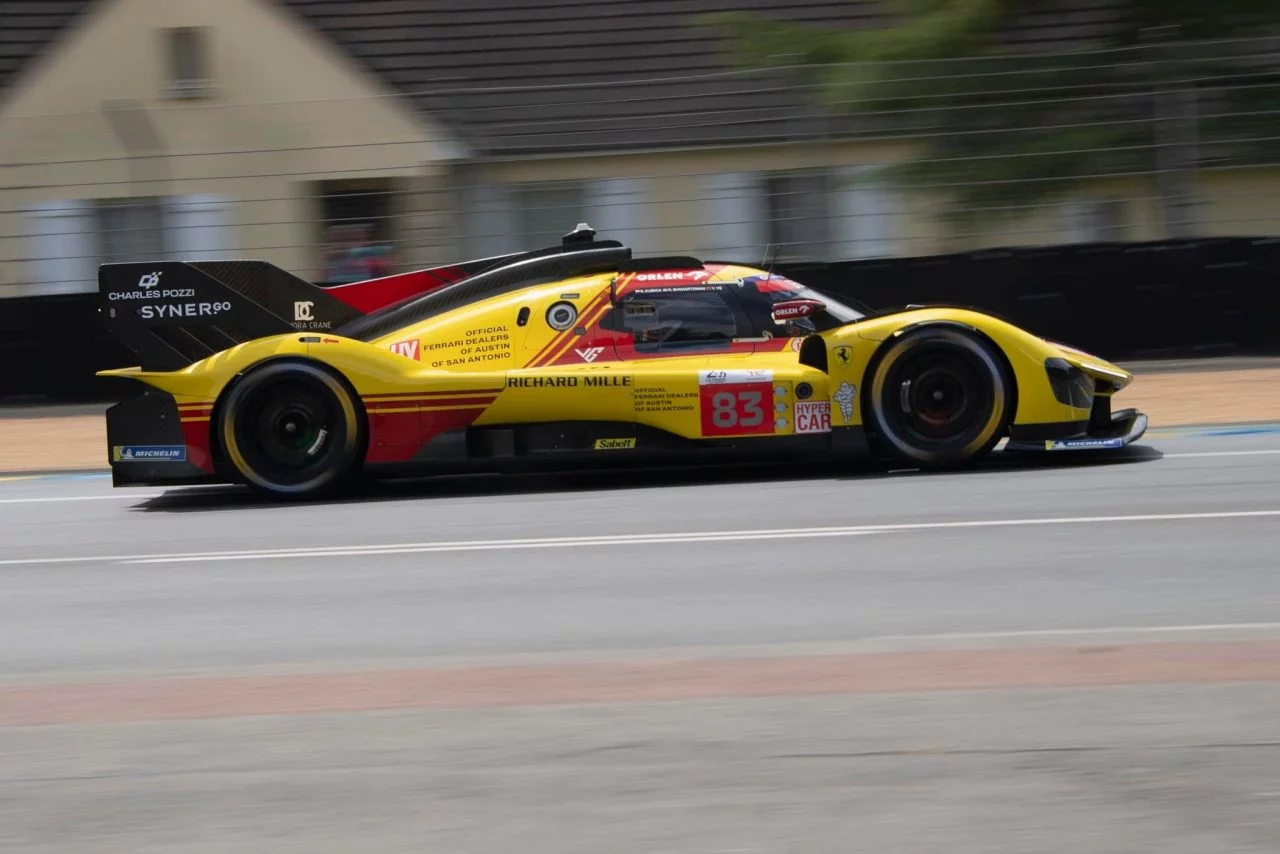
point(149, 281)
point(411, 349)
point(675, 275)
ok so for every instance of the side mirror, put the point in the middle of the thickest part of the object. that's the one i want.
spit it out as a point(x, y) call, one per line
point(796, 308)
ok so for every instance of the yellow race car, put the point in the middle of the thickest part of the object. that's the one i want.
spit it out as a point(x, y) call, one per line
point(571, 353)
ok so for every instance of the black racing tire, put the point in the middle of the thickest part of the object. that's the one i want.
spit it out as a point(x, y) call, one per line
point(938, 396)
point(293, 429)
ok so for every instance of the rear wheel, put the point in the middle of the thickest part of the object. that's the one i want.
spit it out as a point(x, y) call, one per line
point(292, 429)
point(939, 396)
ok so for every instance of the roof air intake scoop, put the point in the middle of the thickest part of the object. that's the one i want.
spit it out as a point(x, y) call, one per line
point(582, 233)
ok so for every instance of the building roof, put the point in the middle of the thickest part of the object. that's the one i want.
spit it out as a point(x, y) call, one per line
point(523, 77)
point(518, 77)
point(27, 27)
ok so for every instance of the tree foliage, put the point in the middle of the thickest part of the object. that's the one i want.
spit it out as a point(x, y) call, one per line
point(998, 129)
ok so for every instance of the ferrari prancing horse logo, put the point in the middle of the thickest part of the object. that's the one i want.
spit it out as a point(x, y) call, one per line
point(843, 355)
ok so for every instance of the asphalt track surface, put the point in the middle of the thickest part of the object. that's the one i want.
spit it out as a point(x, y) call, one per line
point(1078, 654)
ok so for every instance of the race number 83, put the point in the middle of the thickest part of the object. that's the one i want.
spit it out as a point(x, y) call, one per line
point(737, 409)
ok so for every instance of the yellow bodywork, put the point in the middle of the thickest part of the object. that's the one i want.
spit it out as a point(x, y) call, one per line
point(541, 374)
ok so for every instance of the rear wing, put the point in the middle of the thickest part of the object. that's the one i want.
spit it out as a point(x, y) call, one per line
point(174, 313)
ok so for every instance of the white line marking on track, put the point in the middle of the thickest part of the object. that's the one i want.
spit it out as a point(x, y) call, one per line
point(113, 497)
point(127, 495)
point(626, 539)
point(1182, 456)
point(1106, 630)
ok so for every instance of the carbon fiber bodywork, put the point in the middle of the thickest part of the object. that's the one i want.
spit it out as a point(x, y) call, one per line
point(152, 421)
point(1120, 429)
point(173, 313)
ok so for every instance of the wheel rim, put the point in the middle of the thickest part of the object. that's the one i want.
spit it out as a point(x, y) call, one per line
point(293, 430)
point(937, 397)
point(290, 432)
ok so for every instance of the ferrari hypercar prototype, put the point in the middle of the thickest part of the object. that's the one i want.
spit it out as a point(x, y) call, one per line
point(574, 352)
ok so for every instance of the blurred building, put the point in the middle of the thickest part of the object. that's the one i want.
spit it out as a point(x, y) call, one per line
point(340, 138)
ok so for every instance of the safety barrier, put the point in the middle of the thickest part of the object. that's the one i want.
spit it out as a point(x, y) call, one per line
point(1167, 299)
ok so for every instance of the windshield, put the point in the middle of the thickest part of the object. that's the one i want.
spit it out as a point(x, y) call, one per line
point(758, 295)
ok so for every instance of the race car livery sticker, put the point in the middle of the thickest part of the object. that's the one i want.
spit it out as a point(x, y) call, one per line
point(570, 381)
point(844, 398)
point(734, 377)
point(641, 291)
point(167, 293)
point(145, 453)
point(1082, 444)
point(411, 349)
point(813, 416)
point(675, 276)
point(480, 346)
point(737, 409)
point(654, 399)
point(614, 444)
point(147, 290)
point(304, 317)
point(184, 309)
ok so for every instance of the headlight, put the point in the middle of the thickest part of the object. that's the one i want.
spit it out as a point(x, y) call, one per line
point(1071, 386)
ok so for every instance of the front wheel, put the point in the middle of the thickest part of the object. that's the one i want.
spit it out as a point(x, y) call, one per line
point(939, 396)
point(292, 429)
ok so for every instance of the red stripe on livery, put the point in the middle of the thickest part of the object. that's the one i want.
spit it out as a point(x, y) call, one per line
point(427, 395)
point(195, 434)
point(387, 405)
point(553, 350)
point(400, 424)
point(396, 437)
point(373, 294)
